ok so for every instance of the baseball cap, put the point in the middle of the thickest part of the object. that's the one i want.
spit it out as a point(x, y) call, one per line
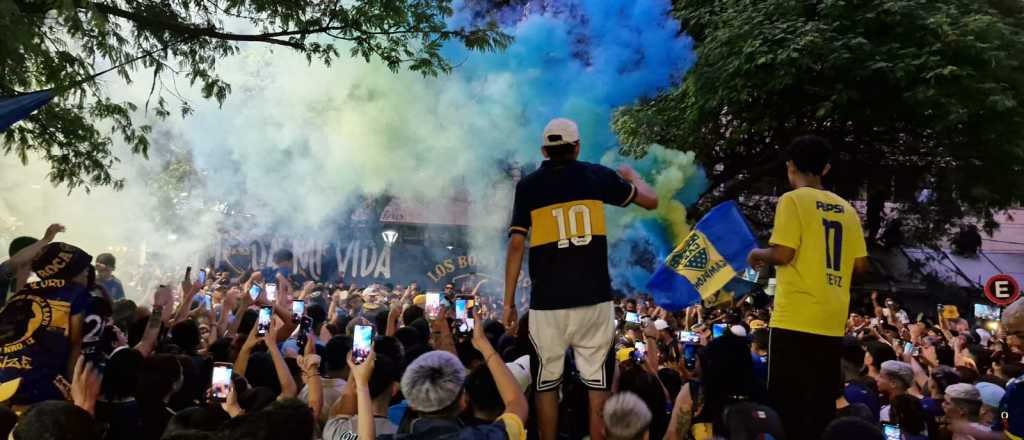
point(901, 370)
point(520, 369)
point(757, 324)
point(738, 330)
point(560, 131)
point(991, 394)
point(660, 324)
point(61, 261)
point(963, 391)
point(433, 381)
point(420, 300)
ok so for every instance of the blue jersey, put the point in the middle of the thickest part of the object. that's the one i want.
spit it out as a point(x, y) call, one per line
point(1010, 418)
point(34, 336)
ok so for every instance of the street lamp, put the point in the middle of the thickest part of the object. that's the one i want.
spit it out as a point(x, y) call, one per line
point(390, 237)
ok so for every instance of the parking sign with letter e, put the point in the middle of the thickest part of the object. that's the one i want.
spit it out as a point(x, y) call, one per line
point(1002, 290)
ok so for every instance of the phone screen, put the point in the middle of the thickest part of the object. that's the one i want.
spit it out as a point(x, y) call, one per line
point(690, 356)
point(640, 351)
point(202, 276)
point(987, 312)
point(717, 330)
point(254, 292)
point(208, 302)
point(298, 307)
point(362, 338)
point(688, 337)
point(464, 315)
point(305, 326)
point(271, 292)
point(908, 347)
point(221, 381)
point(892, 431)
point(632, 317)
point(263, 323)
point(433, 305)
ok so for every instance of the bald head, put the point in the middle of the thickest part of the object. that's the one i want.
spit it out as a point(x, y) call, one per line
point(1013, 323)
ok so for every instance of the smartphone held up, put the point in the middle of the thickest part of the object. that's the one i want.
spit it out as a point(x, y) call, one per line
point(271, 292)
point(221, 382)
point(433, 306)
point(263, 321)
point(464, 315)
point(362, 342)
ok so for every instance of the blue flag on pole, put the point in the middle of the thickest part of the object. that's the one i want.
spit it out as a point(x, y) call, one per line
point(16, 108)
point(709, 258)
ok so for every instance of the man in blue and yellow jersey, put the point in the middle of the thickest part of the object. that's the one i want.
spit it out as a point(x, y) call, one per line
point(816, 246)
point(561, 207)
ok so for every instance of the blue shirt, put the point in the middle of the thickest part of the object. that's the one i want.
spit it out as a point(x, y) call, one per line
point(1012, 406)
point(859, 393)
point(760, 367)
point(34, 328)
point(114, 288)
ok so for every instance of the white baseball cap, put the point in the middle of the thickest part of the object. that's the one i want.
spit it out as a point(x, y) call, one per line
point(520, 369)
point(560, 131)
point(660, 324)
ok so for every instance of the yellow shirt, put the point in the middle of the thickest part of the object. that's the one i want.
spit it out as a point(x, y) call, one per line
point(813, 292)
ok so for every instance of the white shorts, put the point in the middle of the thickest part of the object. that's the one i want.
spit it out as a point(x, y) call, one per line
point(588, 330)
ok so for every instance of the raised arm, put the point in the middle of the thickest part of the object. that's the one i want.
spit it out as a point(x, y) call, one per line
point(361, 374)
point(242, 361)
point(394, 315)
point(347, 404)
point(508, 387)
point(25, 256)
point(284, 375)
point(149, 338)
point(440, 334)
point(310, 365)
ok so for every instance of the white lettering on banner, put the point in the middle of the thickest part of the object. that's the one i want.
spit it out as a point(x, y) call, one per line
point(361, 260)
point(357, 258)
point(309, 256)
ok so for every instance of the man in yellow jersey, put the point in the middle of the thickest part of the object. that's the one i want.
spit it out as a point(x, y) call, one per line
point(561, 207)
point(817, 245)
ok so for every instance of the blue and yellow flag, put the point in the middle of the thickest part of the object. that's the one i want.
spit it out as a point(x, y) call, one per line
point(709, 258)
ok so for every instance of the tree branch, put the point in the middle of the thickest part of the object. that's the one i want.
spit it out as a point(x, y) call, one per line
point(209, 32)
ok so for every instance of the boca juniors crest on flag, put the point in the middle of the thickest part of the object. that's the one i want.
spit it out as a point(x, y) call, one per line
point(708, 259)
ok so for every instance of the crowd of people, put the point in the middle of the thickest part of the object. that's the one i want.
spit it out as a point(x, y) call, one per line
point(148, 371)
point(270, 354)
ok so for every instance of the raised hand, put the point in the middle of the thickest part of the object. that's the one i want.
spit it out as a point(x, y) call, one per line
point(52, 231)
point(85, 385)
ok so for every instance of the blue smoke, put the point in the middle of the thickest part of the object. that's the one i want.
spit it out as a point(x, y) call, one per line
point(582, 60)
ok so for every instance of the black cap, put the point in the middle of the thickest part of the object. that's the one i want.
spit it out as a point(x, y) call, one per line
point(61, 261)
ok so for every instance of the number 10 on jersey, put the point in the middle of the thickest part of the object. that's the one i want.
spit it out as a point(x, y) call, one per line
point(574, 236)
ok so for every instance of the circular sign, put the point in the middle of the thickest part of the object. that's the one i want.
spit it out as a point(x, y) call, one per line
point(1002, 290)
